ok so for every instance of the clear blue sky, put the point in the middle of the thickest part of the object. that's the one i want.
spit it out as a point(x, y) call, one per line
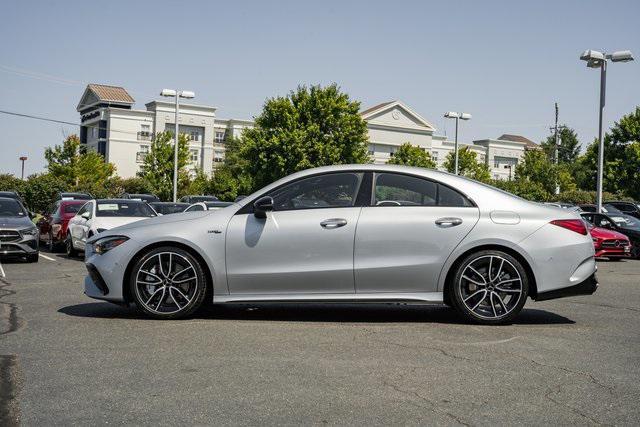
point(506, 62)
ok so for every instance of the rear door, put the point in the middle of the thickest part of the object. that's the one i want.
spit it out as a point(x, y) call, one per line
point(408, 231)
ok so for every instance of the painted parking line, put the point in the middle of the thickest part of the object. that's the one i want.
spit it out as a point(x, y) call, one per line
point(46, 257)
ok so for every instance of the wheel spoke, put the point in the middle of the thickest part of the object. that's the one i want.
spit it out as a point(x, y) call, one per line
point(181, 294)
point(153, 295)
point(472, 281)
point(502, 282)
point(512, 291)
point(164, 291)
point(155, 276)
point(476, 271)
point(500, 268)
point(474, 294)
point(174, 300)
point(149, 283)
point(490, 266)
point(173, 279)
point(160, 265)
point(504, 306)
point(493, 307)
point(170, 262)
point(482, 299)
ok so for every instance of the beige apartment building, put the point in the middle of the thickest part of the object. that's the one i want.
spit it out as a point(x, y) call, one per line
point(111, 126)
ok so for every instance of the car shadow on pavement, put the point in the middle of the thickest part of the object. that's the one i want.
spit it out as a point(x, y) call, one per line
point(313, 312)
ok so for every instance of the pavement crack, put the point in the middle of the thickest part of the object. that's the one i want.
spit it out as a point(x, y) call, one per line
point(617, 307)
point(9, 322)
point(556, 389)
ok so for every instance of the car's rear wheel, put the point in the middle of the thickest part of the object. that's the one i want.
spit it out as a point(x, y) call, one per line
point(489, 287)
point(168, 283)
point(33, 257)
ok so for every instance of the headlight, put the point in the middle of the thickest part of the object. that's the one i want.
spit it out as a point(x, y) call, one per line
point(31, 231)
point(105, 244)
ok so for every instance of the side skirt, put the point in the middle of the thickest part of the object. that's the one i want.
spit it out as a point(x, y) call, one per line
point(418, 297)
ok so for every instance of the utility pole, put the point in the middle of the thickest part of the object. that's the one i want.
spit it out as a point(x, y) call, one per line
point(557, 146)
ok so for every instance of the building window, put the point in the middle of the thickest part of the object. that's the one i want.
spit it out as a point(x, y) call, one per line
point(220, 137)
point(142, 153)
point(145, 132)
point(193, 156)
point(218, 156)
point(194, 135)
point(499, 161)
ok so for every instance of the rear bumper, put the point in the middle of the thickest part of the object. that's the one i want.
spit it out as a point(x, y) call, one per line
point(586, 287)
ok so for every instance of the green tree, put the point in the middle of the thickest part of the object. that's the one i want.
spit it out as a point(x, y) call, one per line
point(135, 185)
point(231, 179)
point(80, 169)
point(41, 190)
point(533, 191)
point(568, 145)
point(8, 182)
point(313, 126)
point(411, 155)
point(468, 165)
point(157, 168)
point(535, 167)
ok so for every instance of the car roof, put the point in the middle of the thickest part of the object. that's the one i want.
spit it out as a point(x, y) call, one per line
point(119, 201)
point(169, 203)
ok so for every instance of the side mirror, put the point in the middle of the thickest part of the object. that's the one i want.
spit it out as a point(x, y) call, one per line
point(86, 215)
point(262, 206)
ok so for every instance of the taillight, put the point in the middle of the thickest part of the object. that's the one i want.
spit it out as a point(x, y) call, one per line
point(576, 225)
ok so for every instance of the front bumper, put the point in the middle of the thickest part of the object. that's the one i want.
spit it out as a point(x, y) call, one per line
point(21, 248)
point(586, 287)
point(105, 273)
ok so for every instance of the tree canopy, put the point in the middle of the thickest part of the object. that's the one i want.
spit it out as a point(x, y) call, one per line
point(411, 155)
point(468, 165)
point(157, 168)
point(312, 126)
point(78, 168)
point(568, 145)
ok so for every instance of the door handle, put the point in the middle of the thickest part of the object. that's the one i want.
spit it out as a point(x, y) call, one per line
point(333, 223)
point(448, 222)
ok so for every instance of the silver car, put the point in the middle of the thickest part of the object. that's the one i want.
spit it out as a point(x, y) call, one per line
point(351, 233)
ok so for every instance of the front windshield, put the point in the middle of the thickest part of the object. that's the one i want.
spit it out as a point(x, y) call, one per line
point(126, 209)
point(72, 208)
point(169, 208)
point(11, 208)
point(212, 206)
point(626, 221)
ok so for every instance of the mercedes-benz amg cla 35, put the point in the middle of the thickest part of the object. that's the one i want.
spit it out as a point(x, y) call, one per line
point(351, 233)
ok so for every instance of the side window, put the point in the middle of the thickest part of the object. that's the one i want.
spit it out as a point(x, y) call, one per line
point(450, 197)
point(195, 208)
point(82, 210)
point(589, 218)
point(403, 190)
point(336, 190)
point(602, 221)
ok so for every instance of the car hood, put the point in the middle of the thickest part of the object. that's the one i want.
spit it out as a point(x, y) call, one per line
point(165, 219)
point(110, 223)
point(603, 233)
point(15, 222)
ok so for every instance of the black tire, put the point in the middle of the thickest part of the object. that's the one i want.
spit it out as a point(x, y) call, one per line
point(615, 259)
point(513, 280)
point(143, 294)
point(33, 257)
point(71, 251)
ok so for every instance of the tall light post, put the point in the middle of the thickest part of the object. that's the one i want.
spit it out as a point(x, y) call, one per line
point(597, 59)
point(177, 94)
point(23, 159)
point(457, 116)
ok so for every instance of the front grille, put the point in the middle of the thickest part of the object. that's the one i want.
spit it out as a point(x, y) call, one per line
point(9, 236)
point(614, 243)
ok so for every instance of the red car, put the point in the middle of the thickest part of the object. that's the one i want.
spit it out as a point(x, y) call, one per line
point(609, 243)
point(53, 225)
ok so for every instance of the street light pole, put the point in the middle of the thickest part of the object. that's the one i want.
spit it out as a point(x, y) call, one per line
point(457, 116)
point(23, 159)
point(597, 59)
point(603, 88)
point(176, 136)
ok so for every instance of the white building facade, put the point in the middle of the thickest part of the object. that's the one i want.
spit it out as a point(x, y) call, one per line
point(110, 126)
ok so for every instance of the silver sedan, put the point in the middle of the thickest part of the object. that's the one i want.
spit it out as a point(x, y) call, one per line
point(351, 233)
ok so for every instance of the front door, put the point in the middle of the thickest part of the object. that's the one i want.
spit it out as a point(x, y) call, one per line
point(406, 235)
point(304, 246)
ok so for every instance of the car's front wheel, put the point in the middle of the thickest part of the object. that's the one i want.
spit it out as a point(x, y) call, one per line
point(168, 283)
point(71, 251)
point(489, 287)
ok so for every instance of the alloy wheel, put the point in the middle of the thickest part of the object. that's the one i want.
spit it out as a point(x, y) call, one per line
point(166, 283)
point(490, 287)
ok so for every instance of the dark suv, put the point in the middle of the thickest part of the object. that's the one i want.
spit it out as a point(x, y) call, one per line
point(630, 208)
point(18, 234)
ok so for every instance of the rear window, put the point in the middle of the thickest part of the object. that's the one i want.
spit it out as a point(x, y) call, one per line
point(124, 209)
point(74, 208)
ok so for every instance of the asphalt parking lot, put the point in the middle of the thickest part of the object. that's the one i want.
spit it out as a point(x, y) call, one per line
point(66, 359)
